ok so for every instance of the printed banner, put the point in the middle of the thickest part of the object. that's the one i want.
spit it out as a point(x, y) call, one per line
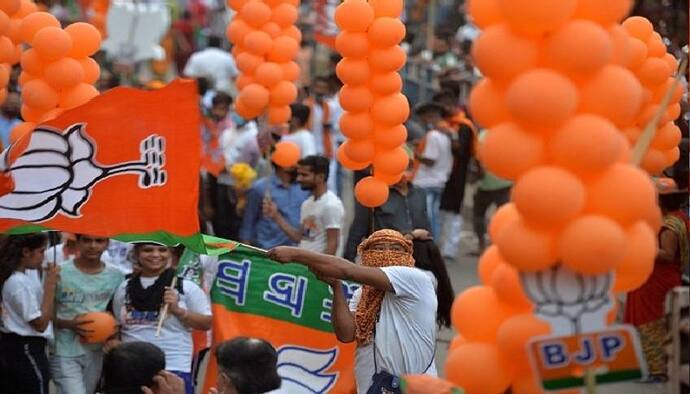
point(286, 305)
point(125, 165)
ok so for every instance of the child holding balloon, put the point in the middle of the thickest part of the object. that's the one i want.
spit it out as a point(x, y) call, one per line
point(27, 310)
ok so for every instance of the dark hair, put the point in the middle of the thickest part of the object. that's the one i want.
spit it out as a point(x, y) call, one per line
point(428, 257)
point(202, 85)
point(221, 98)
point(673, 202)
point(301, 113)
point(131, 365)
point(11, 249)
point(214, 41)
point(250, 363)
point(317, 164)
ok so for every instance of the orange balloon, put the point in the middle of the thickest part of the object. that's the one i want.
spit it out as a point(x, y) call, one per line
point(101, 324)
point(639, 27)
point(352, 44)
point(472, 303)
point(9, 7)
point(536, 17)
point(355, 98)
point(653, 71)
point(32, 63)
point(284, 93)
point(244, 80)
point(388, 59)
point(526, 248)
point(291, 71)
point(286, 154)
point(272, 29)
point(620, 40)
point(508, 151)
point(237, 5)
point(39, 95)
point(391, 162)
point(514, 334)
point(91, 70)
point(456, 342)
point(255, 97)
point(64, 73)
point(52, 43)
point(487, 104)
point(284, 50)
point(386, 83)
point(385, 32)
point(26, 7)
point(4, 74)
point(248, 62)
point(32, 23)
point(7, 49)
point(389, 180)
point(390, 110)
point(505, 214)
point(371, 192)
point(279, 115)
point(389, 8)
point(258, 42)
point(592, 245)
point(638, 263)
point(361, 151)
point(500, 54)
point(29, 114)
point(86, 39)
point(603, 12)
point(390, 137)
point(637, 52)
point(659, 91)
point(284, 15)
point(548, 196)
point(20, 130)
point(25, 77)
point(488, 262)
point(4, 23)
point(484, 12)
point(356, 125)
point(672, 156)
point(347, 162)
point(50, 115)
point(672, 113)
point(255, 13)
point(77, 96)
point(614, 93)
point(506, 283)
point(623, 193)
point(654, 161)
point(656, 46)
point(269, 74)
point(478, 368)
point(354, 15)
point(541, 97)
point(13, 31)
point(352, 71)
point(586, 144)
point(237, 31)
point(671, 61)
point(292, 32)
point(245, 112)
point(579, 47)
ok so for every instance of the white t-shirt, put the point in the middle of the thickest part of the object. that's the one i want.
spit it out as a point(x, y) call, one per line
point(406, 331)
point(317, 216)
point(213, 63)
point(438, 149)
point(304, 139)
point(22, 295)
point(175, 339)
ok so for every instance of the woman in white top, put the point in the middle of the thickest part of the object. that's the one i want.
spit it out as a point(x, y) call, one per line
point(139, 300)
point(27, 310)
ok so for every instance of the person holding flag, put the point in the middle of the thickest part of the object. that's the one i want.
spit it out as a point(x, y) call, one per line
point(139, 303)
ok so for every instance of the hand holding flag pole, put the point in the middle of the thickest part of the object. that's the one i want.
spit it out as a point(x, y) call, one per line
point(164, 310)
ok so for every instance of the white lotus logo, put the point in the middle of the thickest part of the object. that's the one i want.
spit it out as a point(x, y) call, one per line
point(56, 172)
point(303, 370)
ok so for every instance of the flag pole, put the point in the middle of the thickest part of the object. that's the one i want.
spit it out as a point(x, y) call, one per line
point(164, 311)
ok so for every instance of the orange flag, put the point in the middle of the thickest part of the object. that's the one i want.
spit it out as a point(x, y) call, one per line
point(125, 165)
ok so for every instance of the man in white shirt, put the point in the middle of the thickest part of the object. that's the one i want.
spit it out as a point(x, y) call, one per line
point(391, 317)
point(321, 215)
point(214, 64)
point(298, 133)
point(435, 162)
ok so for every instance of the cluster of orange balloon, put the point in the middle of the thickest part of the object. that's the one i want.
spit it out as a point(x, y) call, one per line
point(654, 68)
point(556, 94)
point(375, 108)
point(266, 42)
point(11, 12)
point(57, 71)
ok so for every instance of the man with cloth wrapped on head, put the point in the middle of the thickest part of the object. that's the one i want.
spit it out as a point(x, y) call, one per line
point(393, 313)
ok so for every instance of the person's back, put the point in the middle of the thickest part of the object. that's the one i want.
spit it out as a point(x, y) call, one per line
point(213, 63)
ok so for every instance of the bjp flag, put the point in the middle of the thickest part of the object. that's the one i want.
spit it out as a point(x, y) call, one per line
point(125, 165)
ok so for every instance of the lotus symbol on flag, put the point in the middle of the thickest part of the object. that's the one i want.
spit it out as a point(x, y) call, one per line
point(56, 171)
point(303, 370)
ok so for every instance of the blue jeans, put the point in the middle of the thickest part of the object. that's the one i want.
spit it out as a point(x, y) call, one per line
point(187, 377)
point(433, 209)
